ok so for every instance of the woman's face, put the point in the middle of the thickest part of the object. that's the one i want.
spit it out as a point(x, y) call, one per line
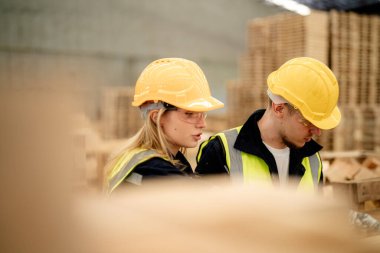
point(183, 128)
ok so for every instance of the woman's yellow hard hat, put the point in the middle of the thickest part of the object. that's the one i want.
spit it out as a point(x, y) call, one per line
point(176, 81)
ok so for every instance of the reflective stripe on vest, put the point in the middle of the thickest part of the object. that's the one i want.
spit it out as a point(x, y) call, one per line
point(244, 167)
point(125, 165)
point(233, 156)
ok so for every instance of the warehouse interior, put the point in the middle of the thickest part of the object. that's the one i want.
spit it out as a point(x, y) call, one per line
point(67, 75)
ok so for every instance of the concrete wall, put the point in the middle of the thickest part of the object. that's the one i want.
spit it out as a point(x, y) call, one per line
point(87, 44)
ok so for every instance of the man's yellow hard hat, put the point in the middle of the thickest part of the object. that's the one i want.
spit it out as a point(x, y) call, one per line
point(310, 86)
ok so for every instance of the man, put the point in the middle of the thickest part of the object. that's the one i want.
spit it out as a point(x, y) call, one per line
point(275, 145)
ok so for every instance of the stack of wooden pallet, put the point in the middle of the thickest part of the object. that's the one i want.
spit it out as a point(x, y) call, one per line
point(119, 118)
point(355, 43)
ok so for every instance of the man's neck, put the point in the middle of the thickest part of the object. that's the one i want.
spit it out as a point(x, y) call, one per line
point(269, 132)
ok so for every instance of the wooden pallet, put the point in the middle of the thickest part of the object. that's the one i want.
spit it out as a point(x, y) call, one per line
point(119, 118)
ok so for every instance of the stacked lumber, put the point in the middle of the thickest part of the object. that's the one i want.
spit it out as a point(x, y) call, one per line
point(346, 71)
point(355, 56)
point(215, 123)
point(359, 128)
point(355, 43)
point(119, 118)
point(242, 103)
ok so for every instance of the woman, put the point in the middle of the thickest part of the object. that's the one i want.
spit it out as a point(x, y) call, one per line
point(173, 96)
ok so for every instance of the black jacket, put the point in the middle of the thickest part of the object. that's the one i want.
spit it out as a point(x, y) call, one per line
point(157, 167)
point(213, 159)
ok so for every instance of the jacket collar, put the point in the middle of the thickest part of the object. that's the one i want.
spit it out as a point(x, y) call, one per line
point(249, 141)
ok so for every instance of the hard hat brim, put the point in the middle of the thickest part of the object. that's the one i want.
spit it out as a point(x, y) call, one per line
point(329, 122)
point(201, 104)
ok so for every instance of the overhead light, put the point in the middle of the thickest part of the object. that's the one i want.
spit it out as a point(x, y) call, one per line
point(292, 6)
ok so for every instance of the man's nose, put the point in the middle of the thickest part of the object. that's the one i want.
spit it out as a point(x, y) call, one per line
point(315, 131)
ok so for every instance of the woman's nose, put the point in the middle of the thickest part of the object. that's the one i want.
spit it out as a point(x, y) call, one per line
point(201, 122)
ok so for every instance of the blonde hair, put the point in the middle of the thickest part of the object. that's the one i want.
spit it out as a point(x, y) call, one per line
point(150, 136)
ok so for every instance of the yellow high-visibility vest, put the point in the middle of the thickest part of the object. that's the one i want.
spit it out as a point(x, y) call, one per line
point(248, 168)
point(126, 163)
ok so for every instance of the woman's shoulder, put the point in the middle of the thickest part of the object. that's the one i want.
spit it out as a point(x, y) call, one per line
point(156, 166)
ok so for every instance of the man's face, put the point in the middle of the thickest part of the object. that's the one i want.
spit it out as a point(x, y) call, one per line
point(296, 129)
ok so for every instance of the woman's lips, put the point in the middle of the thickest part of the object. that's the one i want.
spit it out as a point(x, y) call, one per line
point(197, 136)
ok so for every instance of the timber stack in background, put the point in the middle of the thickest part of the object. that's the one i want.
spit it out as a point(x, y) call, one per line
point(119, 118)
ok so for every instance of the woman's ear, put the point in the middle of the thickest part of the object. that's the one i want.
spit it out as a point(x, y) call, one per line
point(153, 116)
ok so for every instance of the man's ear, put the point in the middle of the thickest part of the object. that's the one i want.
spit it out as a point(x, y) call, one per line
point(153, 116)
point(278, 109)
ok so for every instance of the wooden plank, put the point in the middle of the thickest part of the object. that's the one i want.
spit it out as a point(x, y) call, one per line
point(316, 35)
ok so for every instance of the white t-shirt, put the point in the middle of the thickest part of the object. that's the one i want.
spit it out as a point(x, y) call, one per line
point(282, 161)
